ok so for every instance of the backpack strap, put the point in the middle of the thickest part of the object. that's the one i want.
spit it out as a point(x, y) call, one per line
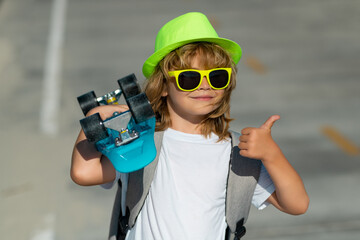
point(243, 176)
point(115, 215)
point(140, 181)
point(138, 187)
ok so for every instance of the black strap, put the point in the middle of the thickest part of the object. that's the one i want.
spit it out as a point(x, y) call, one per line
point(239, 232)
point(123, 223)
point(123, 226)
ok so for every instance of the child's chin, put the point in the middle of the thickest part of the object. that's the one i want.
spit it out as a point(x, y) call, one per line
point(205, 111)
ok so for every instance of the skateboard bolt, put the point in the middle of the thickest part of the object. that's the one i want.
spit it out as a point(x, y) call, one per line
point(117, 142)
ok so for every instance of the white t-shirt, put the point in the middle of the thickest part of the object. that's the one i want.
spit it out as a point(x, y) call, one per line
point(187, 196)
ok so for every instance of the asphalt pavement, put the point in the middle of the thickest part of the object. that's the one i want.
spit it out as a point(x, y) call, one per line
point(301, 60)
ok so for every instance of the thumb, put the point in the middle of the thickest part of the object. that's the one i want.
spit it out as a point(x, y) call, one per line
point(270, 122)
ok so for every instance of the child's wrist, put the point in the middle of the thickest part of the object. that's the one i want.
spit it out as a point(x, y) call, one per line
point(272, 156)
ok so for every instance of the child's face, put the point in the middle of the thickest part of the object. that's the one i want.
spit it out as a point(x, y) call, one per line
point(192, 106)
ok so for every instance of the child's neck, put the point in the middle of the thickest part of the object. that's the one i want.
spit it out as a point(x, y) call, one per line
point(185, 129)
point(185, 125)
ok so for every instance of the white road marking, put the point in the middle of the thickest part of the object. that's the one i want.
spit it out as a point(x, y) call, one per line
point(47, 230)
point(53, 60)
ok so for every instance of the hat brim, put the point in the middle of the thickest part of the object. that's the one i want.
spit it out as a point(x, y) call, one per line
point(230, 46)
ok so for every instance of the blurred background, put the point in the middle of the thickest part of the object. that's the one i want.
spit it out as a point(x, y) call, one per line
point(301, 60)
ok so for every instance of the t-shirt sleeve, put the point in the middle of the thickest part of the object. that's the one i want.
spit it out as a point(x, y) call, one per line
point(109, 185)
point(264, 188)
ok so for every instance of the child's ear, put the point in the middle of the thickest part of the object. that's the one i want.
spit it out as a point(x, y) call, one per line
point(164, 93)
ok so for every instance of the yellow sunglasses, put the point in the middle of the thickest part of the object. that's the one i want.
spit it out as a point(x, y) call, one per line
point(190, 79)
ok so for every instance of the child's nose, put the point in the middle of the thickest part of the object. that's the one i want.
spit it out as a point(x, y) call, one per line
point(204, 84)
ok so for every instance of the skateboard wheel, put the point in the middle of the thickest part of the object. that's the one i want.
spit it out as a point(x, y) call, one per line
point(140, 108)
point(129, 86)
point(94, 128)
point(87, 102)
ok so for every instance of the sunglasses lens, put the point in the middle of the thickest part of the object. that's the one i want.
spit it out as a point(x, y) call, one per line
point(219, 78)
point(189, 80)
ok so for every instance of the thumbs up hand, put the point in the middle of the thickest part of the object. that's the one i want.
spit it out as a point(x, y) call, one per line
point(257, 143)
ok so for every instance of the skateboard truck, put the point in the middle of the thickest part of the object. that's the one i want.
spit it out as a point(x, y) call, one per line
point(127, 138)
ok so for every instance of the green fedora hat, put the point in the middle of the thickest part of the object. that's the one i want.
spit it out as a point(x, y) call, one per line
point(187, 28)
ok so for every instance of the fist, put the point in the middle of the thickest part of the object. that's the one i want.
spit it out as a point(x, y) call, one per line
point(257, 143)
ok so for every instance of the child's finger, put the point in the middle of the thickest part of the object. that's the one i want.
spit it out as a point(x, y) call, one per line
point(243, 146)
point(244, 138)
point(111, 109)
point(247, 130)
point(244, 153)
point(270, 122)
point(121, 108)
point(107, 111)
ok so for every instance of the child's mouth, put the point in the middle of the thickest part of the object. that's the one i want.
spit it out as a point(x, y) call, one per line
point(203, 98)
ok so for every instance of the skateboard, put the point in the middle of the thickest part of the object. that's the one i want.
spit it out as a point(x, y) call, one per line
point(126, 138)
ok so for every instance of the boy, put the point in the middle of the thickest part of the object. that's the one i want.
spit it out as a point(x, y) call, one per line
point(204, 178)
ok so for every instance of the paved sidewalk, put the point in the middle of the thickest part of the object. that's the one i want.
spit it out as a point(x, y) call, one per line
point(301, 60)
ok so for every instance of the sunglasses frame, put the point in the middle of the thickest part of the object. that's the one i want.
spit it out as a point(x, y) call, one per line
point(203, 73)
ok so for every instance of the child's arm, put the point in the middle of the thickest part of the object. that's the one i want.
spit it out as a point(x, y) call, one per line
point(88, 166)
point(290, 195)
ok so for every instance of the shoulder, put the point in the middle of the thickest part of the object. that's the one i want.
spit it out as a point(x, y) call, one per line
point(234, 137)
point(158, 137)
